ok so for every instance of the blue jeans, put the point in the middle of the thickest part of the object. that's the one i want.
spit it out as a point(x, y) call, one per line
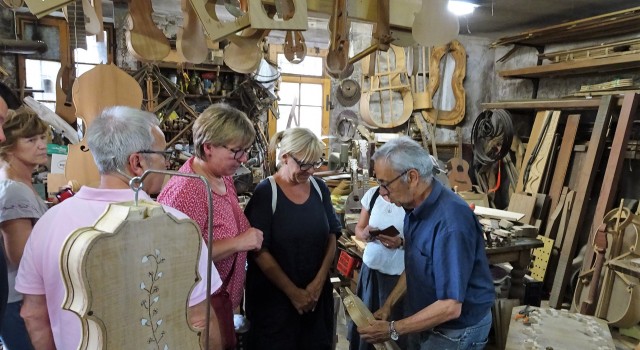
point(438, 338)
point(14, 333)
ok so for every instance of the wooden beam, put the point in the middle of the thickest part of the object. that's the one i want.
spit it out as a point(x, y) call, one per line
point(596, 65)
point(542, 104)
point(613, 170)
point(564, 157)
point(583, 190)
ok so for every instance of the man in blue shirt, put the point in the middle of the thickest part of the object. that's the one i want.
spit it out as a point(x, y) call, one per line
point(447, 285)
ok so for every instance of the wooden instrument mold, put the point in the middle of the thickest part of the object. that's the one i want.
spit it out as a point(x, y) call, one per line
point(146, 307)
point(217, 30)
point(260, 20)
point(459, 55)
point(361, 316)
point(386, 84)
point(64, 103)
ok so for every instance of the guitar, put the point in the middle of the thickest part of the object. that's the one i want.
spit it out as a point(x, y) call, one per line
point(459, 174)
point(145, 40)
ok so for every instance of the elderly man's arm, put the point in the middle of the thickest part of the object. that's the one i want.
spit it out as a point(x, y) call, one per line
point(198, 320)
point(437, 313)
point(36, 318)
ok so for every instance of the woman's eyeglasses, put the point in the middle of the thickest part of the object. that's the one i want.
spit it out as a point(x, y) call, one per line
point(239, 152)
point(168, 154)
point(307, 166)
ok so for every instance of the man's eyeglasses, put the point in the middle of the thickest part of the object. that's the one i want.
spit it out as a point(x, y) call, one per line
point(168, 154)
point(307, 166)
point(239, 152)
point(386, 185)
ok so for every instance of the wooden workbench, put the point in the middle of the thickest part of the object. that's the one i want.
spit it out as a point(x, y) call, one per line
point(518, 254)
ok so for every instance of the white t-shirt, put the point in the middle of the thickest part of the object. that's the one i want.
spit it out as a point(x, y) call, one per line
point(385, 214)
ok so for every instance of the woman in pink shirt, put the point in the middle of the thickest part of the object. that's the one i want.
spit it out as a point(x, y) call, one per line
point(222, 137)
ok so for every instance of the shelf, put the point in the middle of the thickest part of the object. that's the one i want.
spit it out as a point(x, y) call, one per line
point(596, 65)
point(198, 67)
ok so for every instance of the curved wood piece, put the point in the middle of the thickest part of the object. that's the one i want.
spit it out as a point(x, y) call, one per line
point(260, 19)
point(147, 306)
point(295, 50)
point(217, 30)
point(103, 86)
point(362, 317)
point(338, 54)
point(454, 116)
point(92, 24)
point(191, 43)
point(145, 40)
point(397, 85)
point(243, 55)
point(64, 105)
point(434, 25)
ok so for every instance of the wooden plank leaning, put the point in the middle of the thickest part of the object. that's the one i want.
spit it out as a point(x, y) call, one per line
point(564, 158)
point(613, 171)
point(583, 189)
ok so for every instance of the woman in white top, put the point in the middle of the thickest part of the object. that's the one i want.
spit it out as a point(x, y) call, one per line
point(25, 148)
point(383, 258)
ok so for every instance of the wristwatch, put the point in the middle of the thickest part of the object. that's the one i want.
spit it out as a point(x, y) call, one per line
point(393, 334)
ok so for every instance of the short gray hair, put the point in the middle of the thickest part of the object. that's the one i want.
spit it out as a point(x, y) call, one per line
point(219, 125)
point(403, 154)
point(117, 133)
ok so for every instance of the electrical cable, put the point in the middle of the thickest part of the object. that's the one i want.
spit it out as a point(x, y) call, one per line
point(492, 134)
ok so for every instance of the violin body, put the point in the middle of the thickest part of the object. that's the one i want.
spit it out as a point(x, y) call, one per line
point(145, 40)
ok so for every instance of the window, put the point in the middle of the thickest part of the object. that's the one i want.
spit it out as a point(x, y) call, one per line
point(303, 89)
point(40, 71)
point(306, 101)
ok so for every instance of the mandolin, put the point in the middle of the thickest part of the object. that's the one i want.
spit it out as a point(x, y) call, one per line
point(145, 40)
point(295, 50)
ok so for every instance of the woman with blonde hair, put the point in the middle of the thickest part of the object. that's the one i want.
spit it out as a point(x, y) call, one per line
point(23, 150)
point(288, 295)
point(222, 136)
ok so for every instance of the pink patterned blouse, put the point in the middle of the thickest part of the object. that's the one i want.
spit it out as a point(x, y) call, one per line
point(189, 195)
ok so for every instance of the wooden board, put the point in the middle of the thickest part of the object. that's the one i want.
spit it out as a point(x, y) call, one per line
point(583, 191)
point(564, 157)
point(540, 259)
point(608, 190)
point(146, 307)
point(523, 203)
point(558, 330)
point(42, 8)
point(361, 316)
point(596, 65)
point(497, 213)
point(538, 164)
